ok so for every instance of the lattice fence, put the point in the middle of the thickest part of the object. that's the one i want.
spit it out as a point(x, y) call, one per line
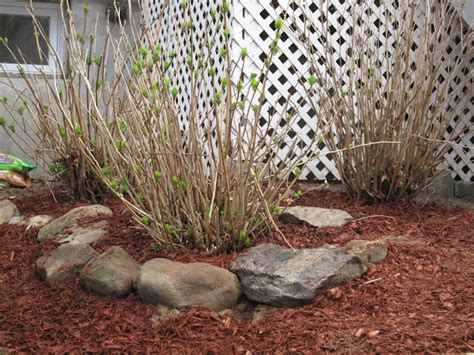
point(253, 28)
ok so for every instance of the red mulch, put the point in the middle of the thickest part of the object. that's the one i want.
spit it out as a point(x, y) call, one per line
point(421, 299)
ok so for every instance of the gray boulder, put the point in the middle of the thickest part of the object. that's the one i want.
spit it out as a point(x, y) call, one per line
point(277, 276)
point(370, 251)
point(178, 285)
point(8, 210)
point(53, 229)
point(114, 274)
point(65, 263)
point(315, 216)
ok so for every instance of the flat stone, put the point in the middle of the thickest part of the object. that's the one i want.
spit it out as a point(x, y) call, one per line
point(84, 235)
point(65, 263)
point(315, 216)
point(57, 226)
point(465, 190)
point(8, 210)
point(113, 274)
point(178, 285)
point(277, 276)
point(369, 251)
point(38, 221)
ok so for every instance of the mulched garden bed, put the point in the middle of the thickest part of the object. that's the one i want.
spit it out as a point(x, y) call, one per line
point(420, 299)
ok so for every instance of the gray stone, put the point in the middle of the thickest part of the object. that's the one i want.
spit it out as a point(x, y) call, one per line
point(465, 190)
point(178, 285)
point(57, 226)
point(65, 263)
point(84, 235)
point(8, 210)
point(315, 216)
point(114, 274)
point(443, 184)
point(17, 220)
point(277, 276)
point(38, 221)
point(369, 251)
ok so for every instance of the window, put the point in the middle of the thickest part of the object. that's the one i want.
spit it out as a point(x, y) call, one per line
point(17, 26)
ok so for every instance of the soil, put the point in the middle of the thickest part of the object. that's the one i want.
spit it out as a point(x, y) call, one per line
point(421, 299)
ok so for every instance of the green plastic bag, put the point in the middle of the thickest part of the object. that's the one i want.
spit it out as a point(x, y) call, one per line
point(11, 163)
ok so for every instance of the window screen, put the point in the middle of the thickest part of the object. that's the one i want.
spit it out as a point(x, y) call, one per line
point(19, 30)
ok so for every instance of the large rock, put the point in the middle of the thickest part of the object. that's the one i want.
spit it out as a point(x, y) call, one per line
point(57, 226)
point(370, 251)
point(113, 274)
point(178, 285)
point(84, 235)
point(8, 210)
point(315, 216)
point(274, 275)
point(65, 263)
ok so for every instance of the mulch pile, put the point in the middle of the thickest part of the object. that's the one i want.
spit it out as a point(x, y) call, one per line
point(420, 299)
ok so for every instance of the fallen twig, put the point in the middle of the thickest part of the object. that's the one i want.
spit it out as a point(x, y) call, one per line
point(370, 281)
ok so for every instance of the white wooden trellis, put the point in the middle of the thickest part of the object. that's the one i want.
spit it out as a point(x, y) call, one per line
point(252, 28)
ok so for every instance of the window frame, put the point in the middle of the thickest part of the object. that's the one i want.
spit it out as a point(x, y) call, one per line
point(55, 29)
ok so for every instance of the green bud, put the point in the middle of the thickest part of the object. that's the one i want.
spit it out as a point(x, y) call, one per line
point(174, 92)
point(106, 171)
point(145, 220)
point(158, 175)
point(78, 131)
point(279, 23)
point(225, 7)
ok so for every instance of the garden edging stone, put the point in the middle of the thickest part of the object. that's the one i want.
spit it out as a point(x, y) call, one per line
point(8, 210)
point(84, 235)
point(65, 263)
point(55, 228)
point(278, 276)
point(370, 251)
point(178, 285)
point(113, 273)
point(315, 216)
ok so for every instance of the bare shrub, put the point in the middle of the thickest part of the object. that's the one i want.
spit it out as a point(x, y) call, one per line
point(204, 178)
point(387, 99)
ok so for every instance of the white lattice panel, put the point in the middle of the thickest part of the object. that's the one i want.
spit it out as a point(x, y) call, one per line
point(253, 28)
